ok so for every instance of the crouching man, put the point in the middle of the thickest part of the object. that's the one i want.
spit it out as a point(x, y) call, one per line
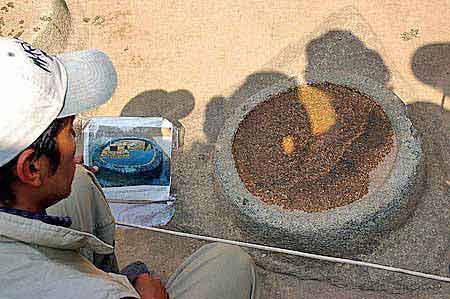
point(56, 229)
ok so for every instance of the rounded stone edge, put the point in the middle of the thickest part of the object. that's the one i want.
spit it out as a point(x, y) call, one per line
point(54, 31)
point(343, 228)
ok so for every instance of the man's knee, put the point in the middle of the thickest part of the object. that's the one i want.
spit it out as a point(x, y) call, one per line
point(232, 256)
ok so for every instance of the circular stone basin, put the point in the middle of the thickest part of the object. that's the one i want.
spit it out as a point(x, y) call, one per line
point(325, 166)
point(130, 156)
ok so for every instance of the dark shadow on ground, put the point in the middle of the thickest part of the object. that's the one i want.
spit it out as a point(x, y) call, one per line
point(220, 108)
point(153, 103)
point(431, 65)
point(344, 52)
point(433, 126)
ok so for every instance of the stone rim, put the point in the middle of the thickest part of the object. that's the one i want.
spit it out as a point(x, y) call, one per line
point(338, 226)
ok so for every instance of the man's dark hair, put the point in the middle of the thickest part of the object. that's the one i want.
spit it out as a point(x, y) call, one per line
point(44, 145)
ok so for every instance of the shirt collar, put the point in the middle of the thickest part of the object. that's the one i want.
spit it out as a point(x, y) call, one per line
point(42, 216)
point(37, 232)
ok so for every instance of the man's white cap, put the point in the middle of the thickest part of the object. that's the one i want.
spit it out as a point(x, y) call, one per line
point(36, 88)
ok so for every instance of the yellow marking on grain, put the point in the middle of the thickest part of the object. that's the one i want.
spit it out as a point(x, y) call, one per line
point(318, 105)
point(288, 145)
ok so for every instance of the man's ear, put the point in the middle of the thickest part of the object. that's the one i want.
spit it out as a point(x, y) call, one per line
point(29, 171)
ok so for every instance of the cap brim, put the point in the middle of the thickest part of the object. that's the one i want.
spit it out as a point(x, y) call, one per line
point(91, 81)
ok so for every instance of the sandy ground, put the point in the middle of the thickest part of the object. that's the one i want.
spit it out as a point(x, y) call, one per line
point(15, 17)
point(183, 59)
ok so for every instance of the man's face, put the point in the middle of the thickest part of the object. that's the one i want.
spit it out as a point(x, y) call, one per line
point(59, 184)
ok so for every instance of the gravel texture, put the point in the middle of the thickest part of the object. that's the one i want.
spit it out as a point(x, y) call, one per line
point(313, 148)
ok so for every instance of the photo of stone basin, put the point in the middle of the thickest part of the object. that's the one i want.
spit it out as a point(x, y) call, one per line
point(131, 161)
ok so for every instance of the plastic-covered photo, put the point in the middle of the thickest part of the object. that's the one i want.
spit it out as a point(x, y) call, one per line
point(132, 154)
point(130, 161)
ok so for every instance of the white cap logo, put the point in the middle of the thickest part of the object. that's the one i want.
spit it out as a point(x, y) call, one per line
point(36, 55)
point(39, 88)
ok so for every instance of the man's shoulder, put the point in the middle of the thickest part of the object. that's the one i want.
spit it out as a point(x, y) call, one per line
point(54, 273)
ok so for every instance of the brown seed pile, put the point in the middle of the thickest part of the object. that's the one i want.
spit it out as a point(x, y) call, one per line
point(312, 148)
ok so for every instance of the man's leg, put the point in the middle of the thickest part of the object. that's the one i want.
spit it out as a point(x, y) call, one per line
point(90, 213)
point(215, 271)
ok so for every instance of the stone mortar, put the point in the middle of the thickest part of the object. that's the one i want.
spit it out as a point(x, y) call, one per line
point(342, 231)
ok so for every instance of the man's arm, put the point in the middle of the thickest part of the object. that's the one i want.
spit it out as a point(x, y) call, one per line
point(150, 287)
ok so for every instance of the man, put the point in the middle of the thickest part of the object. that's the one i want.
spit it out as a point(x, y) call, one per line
point(68, 256)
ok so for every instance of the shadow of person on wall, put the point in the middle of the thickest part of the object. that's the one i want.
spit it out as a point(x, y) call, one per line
point(220, 108)
point(342, 51)
point(432, 125)
point(431, 65)
point(159, 103)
